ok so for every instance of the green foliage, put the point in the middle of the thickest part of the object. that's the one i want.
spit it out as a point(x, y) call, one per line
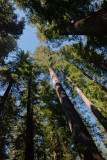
point(8, 120)
point(8, 20)
point(10, 29)
point(57, 137)
point(50, 129)
point(7, 44)
point(45, 57)
point(75, 67)
point(79, 54)
point(54, 14)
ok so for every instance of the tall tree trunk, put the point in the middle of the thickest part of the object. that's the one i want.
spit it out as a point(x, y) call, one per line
point(29, 150)
point(102, 66)
point(4, 98)
point(2, 147)
point(87, 149)
point(94, 24)
point(44, 156)
point(54, 155)
point(88, 76)
point(90, 105)
point(38, 152)
point(63, 146)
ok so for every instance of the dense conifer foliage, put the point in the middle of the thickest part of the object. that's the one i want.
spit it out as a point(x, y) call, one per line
point(66, 17)
point(53, 102)
point(10, 28)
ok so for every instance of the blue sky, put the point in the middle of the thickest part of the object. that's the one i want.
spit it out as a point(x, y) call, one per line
point(28, 40)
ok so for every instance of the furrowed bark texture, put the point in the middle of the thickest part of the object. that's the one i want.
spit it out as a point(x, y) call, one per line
point(4, 98)
point(29, 150)
point(87, 149)
point(94, 24)
point(90, 105)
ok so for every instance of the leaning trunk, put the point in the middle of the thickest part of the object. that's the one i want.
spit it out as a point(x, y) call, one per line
point(94, 24)
point(29, 150)
point(4, 98)
point(88, 149)
point(90, 105)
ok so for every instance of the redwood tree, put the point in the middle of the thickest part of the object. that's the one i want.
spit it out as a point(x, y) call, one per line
point(86, 146)
point(91, 106)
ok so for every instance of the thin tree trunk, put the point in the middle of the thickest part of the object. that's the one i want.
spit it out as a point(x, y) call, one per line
point(63, 146)
point(38, 154)
point(94, 24)
point(4, 98)
point(102, 87)
point(44, 156)
point(87, 149)
point(90, 105)
point(103, 109)
point(88, 76)
point(102, 66)
point(29, 150)
point(54, 155)
point(2, 148)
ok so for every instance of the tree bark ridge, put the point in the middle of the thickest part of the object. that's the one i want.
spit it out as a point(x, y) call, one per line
point(94, 24)
point(86, 146)
point(90, 105)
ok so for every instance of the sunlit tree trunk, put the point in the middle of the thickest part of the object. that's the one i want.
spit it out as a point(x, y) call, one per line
point(103, 109)
point(94, 24)
point(4, 98)
point(29, 150)
point(90, 105)
point(87, 148)
point(54, 155)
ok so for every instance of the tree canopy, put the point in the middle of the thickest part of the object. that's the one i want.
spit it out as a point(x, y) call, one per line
point(53, 101)
point(66, 17)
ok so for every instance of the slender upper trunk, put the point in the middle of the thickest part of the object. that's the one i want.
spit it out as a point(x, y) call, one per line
point(105, 110)
point(88, 149)
point(29, 150)
point(102, 66)
point(94, 24)
point(88, 76)
point(54, 152)
point(102, 87)
point(65, 151)
point(90, 105)
point(4, 98)
point(63, 146)
point(44, 156)
point(54, 155)
point(2, 147)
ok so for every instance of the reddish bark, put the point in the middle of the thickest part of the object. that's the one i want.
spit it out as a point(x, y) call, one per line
point(87, 149)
